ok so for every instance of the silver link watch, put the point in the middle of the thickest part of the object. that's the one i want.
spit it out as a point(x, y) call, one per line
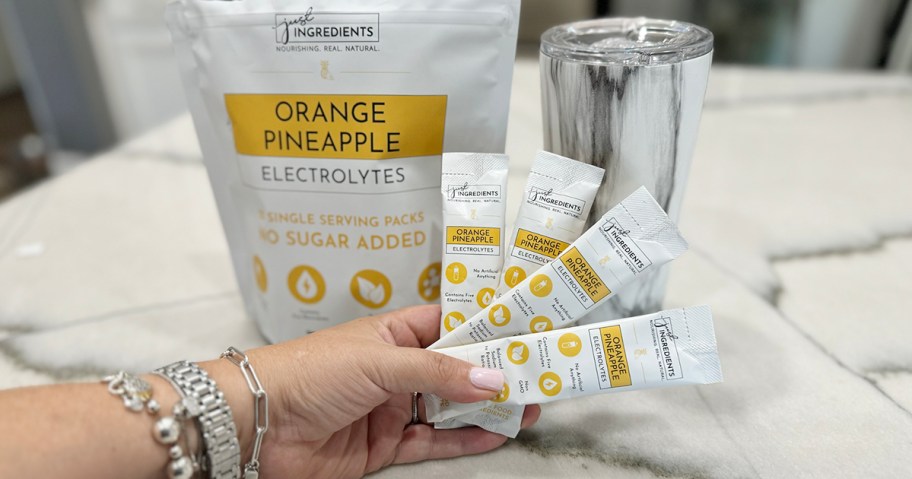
point(220, 439)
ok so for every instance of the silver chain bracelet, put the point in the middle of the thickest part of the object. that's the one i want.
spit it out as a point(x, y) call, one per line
point(260, 407)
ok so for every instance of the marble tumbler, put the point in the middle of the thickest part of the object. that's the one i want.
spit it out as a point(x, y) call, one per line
point(626, 94)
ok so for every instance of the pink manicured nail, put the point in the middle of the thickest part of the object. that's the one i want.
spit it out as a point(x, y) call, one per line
point(490, 379)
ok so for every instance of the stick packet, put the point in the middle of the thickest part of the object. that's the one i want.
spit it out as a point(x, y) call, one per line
point(474, 189)
point(322, 124)
point(556, 204)
point(669, 348)
point(631, 239)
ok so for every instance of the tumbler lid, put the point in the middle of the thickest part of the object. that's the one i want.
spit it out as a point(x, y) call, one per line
point(627, 41)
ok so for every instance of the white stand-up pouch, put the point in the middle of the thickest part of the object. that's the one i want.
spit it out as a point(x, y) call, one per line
point(322, 125)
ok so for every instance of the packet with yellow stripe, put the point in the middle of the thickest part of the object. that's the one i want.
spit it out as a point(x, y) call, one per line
point(553, 213)
point(322, 124)
point(669, 348)
point(631, 239)
point(474, 189)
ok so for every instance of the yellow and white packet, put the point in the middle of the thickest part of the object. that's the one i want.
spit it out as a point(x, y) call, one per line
point(556, 204)
point(322, 124)
point(631, 239)
point(669, 348)
point(474, 189)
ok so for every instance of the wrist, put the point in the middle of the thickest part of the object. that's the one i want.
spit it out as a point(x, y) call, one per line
point(230, 381)
point(237, 393)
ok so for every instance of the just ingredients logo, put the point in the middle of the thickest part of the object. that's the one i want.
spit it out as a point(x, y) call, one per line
point(327, 27)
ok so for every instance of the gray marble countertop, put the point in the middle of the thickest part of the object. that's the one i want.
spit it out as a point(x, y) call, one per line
point(798, 213)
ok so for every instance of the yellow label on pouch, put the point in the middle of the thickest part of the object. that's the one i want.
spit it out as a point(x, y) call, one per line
point(467, 235)
point(585, 275)
point(543, 245)
point(473, 189)
point(615, 356)
point(360, 127)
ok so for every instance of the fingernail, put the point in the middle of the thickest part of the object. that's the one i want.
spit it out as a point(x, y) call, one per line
point(490, 379)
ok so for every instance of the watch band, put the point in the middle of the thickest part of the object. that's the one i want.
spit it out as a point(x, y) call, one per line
point(213, 415)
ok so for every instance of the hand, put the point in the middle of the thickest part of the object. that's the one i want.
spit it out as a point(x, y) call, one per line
point(340, 399)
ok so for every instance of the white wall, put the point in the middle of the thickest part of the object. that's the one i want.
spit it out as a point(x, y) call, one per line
point(818, 34)
point(901, 56)
point(842, 33)
point(136, 62)
point(540, 15)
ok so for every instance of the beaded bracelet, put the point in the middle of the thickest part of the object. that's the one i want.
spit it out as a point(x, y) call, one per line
point(137, 395)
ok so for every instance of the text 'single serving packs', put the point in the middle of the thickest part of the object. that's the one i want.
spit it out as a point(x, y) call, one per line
point(322, 124)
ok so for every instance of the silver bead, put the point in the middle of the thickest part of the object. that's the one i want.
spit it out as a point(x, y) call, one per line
point(153, 406)
point(133, 403)
point(175, 452)
point(181, 468)
point(166, 430)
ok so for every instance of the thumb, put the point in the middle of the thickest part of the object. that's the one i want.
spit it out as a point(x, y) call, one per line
point(409, 370)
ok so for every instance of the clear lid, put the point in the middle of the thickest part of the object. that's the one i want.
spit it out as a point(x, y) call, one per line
point(627, 41)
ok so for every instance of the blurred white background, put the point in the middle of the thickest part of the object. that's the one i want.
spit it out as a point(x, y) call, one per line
point(79, 76)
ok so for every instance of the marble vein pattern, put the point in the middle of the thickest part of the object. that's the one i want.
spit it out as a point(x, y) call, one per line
point(871, 337)
point(116, 233)
point(639, 123)
point(797, 213)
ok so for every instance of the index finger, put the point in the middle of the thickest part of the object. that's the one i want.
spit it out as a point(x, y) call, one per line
point(415, 327)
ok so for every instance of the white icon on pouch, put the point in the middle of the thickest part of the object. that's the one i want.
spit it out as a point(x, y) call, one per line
point(307, 287)
point(454, 321)
point(518, 353)
point(486, 299)
point(374, 293)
